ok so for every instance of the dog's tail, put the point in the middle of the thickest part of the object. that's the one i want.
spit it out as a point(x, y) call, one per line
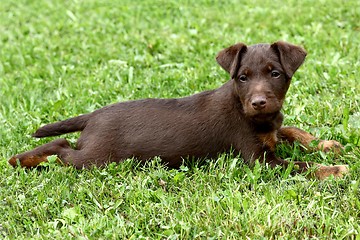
point(67, 126)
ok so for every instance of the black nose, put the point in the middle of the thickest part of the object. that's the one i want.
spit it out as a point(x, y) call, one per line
point(258, 102)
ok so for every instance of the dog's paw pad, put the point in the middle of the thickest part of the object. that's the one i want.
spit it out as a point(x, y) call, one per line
point(338, 171)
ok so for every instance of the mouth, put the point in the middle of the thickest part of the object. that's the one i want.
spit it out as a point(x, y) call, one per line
point(264, 117)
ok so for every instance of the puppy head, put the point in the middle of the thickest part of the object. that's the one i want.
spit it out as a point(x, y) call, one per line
point(261, 74)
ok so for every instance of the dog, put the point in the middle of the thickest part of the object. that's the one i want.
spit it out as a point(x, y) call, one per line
point(243, 115)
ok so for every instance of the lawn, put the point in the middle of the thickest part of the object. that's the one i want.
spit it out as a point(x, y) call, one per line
point(59, 59)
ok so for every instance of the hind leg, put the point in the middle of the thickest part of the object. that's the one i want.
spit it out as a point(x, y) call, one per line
point(83, 158)
point(38, 155)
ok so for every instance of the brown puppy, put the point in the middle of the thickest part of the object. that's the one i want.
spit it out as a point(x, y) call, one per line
point(243, 115)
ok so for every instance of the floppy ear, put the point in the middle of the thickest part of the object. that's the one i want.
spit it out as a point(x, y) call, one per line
point(229, 58)
point(291, 56)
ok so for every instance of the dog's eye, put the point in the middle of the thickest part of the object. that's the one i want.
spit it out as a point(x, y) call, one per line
point(275, 74)
point(243, 78)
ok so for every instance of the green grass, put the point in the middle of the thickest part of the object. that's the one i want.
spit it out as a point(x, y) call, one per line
point(59, 59)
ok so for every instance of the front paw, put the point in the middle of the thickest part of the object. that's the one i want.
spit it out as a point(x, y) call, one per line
point(330, 145)
point(338, 171)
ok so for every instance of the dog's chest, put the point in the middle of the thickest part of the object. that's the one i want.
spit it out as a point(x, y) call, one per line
point(269, 140)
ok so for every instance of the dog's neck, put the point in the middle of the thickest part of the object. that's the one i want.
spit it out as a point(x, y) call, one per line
point(270, 125)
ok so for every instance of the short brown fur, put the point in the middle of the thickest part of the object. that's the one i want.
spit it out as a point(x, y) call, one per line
point(242, 115)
